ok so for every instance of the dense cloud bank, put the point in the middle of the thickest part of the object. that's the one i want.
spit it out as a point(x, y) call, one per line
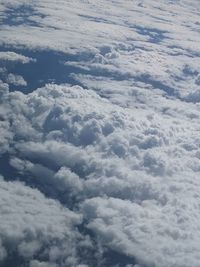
point(131, 179)
point(104, 172)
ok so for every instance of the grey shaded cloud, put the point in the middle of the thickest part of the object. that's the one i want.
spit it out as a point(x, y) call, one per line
point(16, 80)
point(12, 56)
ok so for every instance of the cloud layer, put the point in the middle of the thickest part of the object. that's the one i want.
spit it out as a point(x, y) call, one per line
point(34, 225)
point(132, 175)
point(106, 172)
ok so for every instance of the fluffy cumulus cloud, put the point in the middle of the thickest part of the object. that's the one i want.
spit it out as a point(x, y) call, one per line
point(101, 167)
point(132, 176)
point(34, 226)
point(17, 80)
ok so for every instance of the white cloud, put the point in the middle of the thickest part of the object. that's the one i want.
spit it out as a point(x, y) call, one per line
point(145, 42)
point(123, 152)
point(36, 263)
point(16, 80)
point(132, 173)
point(12, 56)
point(31, 225)
point(156, 234)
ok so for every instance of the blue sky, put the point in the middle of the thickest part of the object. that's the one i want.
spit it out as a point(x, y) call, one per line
point(99, 133)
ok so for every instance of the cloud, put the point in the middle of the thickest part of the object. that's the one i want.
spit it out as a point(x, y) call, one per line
point(149, 46)
point(157, 235)
point(27, 234)
point(108, 172)
point(16, 80)
point(36, 263)
point(131, 174)
point(12, 56)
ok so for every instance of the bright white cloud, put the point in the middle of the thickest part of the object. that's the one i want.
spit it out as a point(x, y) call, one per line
point(31, 225)
point(138, 41)
point(132, 175)
point(120, 156)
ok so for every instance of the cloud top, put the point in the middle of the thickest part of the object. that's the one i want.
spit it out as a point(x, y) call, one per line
point(101, 166)
point(133, 177)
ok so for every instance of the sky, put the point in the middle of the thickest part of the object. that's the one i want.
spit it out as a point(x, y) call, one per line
point(99, 133)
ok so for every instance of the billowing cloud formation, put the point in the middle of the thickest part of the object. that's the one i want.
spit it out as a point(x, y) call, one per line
point(132, 175)
point(32, 225)
point(108, 171)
